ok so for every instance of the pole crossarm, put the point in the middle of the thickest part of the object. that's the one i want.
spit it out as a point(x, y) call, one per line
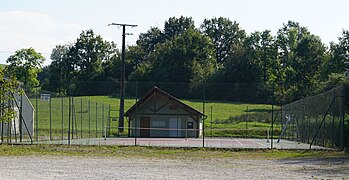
point(119, 24)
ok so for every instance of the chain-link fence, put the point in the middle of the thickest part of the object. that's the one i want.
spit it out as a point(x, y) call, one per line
point(317, 120)
point(212, 115)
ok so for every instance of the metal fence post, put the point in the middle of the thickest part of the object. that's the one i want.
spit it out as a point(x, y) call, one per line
point(344, 96)
point(135, 127)
point(89, 119)
point(246, 121)
point(36, 115)
point(203, 118)
point(103, 134)
point(62, 109)
point(69, 116)
point(272, 119)
point(107, 131)
point(50, 106)
point(211, 123)
point(96, 120)
point(81, 118)
point(9, 133)
point(72, 116)
point(21, 119)
point(2, 99)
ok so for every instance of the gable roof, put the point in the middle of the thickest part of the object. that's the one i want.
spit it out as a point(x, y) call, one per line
point(154, 90)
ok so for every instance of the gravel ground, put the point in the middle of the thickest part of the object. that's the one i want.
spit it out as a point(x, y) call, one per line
point(57, 167)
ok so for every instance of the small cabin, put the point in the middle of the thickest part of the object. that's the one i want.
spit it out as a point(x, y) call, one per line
point(159, 114)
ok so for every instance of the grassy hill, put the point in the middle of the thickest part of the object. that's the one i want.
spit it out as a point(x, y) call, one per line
point(2, 66)
point(90, 114)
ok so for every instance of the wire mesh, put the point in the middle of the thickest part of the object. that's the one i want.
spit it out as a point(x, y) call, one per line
point(317, 119)
point(90, 110)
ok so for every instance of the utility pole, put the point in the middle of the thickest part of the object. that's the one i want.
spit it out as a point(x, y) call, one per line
point(122, 78)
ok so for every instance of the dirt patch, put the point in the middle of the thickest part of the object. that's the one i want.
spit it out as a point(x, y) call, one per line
point(58, 167)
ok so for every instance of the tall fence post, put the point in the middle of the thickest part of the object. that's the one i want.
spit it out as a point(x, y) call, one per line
point(246, 121)
point(89, 119)
point(20, 119)
point(136, 116)
point(211, 123)
point(50, 106)
point(69, 116)
point(96, 119)
point(107, 131)
point(62, 113)
point(272, 119)
point(72, 116)
point(81, 118)
point(203, 118)
point(9, 134)
point(36, 114)
point(2, 99)
point(344, 95)
point(103, 134)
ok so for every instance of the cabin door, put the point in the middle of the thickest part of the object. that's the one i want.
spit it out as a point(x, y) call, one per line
point(145, 125)
point(175, 125)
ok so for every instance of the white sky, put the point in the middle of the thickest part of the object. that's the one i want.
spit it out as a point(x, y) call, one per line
point(42, 24)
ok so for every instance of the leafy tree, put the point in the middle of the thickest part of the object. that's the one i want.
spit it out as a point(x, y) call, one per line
point(249, 61)
point(335, 62)
point(7, 85)
point(301, 55)
point(159, 55)
point(112, 65)
point(224, 34)
point(294, 61)
point(142, 72)
point(79, 64)
point(309, 58)
point(176, 26)
point(89, 51)
point(332, 81)
point(268, 57)
point(185, 58)
point(146, 44)
point(60, 69)
point(25, 65)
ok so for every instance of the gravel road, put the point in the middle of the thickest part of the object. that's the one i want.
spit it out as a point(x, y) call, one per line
point(58, 167)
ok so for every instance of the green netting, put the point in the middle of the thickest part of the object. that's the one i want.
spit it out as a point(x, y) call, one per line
point(317, 120)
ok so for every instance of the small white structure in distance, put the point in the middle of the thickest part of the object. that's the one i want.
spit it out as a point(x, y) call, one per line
point(11, 128)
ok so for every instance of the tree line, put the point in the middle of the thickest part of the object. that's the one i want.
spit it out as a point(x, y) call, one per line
point(287, 66)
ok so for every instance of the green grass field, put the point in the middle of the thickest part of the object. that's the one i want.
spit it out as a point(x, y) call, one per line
point(2, 66)
point(162, 152)
point(90, 114)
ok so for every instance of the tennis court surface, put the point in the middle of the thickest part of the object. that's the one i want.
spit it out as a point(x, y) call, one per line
point(239, 143)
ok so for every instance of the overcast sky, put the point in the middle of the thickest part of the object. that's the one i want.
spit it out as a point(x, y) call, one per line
point(42, 24)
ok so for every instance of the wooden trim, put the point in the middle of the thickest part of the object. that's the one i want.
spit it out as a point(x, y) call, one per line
point(154, 99)
point(162, 106)
point(165, 114)
point(158, 92)
point(145, 101)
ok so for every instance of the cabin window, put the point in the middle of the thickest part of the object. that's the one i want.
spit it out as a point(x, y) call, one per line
point(158, 124)
point(190, 125)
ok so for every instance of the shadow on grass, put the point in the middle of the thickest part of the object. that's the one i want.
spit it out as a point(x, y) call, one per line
point(259, 110)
